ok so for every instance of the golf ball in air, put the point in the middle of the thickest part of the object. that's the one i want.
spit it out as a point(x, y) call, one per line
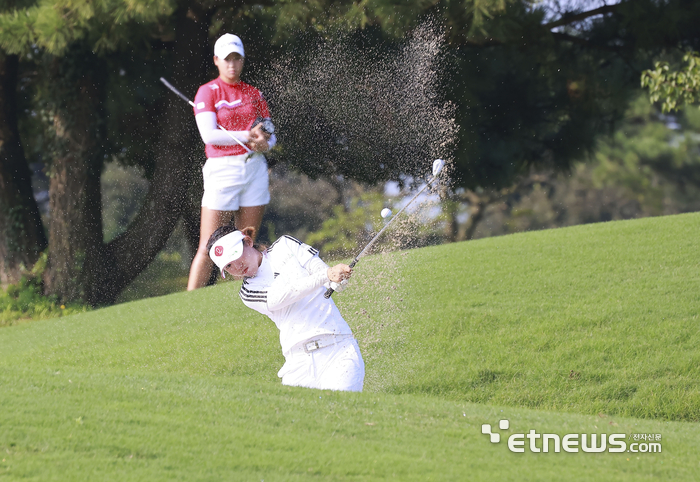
point(386, 212)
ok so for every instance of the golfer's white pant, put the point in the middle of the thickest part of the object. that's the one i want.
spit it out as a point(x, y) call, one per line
point(335, 367)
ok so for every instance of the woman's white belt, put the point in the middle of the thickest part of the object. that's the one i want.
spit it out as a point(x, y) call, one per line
point(318, 342)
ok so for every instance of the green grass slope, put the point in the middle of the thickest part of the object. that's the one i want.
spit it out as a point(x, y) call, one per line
point(593, 318)
point(591, 329)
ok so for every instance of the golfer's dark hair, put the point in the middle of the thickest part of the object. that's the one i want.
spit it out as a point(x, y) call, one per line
point(228, 229)
point(218, 234)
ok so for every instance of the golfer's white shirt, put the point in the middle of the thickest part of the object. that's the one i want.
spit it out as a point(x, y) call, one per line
point(289, 288)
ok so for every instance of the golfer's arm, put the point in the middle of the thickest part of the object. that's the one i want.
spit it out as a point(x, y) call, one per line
point(316, 265)
point(211, 134)
point(283, 293)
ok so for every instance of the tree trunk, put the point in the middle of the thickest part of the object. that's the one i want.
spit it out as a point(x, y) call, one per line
point(476, 216)
point(75, 225)
point(476, 212)
point(81, 266)
point(450, 207)
point(179, 147)
point(192, 211)
point(22, 237)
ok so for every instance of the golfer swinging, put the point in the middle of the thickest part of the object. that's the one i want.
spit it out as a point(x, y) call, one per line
point(286, 282)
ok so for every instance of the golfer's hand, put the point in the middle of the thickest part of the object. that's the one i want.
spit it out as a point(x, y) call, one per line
point(339, 272)
point(257, 139)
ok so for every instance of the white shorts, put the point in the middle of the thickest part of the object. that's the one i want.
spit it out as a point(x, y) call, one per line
point(335, 367)
point(230, 182)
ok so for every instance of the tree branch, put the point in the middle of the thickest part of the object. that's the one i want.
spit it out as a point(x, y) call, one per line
point(565, 20)
point(570, 38)
point(569, 19)
point(581, 41)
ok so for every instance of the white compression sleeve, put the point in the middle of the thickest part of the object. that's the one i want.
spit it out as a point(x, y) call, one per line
point(211, 134)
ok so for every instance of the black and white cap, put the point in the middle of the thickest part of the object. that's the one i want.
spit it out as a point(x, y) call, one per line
point(228, 44)
point(227, 249)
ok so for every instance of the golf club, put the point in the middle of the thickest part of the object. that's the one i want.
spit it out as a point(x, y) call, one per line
point(438, 164)
point(182, 96)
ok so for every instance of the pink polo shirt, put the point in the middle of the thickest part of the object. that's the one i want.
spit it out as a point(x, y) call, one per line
point(236, 107)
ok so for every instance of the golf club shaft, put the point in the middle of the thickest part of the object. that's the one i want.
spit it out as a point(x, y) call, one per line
point(176, 92)
point(183, 97)
point(364, 251)
point(369, 245)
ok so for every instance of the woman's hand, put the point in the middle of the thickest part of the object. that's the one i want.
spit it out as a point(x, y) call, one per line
point(339, 272)
point(257, 139)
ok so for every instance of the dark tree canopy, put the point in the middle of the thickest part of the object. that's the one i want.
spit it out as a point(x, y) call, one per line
point(366, 90)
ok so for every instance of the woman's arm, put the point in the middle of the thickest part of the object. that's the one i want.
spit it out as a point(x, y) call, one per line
point(316, 265)
point(284, 292)
point(211, 134)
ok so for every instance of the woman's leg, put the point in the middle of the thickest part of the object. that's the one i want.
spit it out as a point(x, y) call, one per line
point(201, 267)
point(247, 216)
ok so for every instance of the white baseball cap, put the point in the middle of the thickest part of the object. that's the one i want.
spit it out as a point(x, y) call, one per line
point(228, 44)
point(228, 248)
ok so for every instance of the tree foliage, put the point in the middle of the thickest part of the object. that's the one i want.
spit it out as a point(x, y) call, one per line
point(649, 167)
point(530, 91)
point(515, 89)
point(394, 17)
point(72, 66)
point(105, 25)
point(674, 88)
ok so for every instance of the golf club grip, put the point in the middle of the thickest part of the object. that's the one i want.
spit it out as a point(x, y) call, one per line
point(330, 291)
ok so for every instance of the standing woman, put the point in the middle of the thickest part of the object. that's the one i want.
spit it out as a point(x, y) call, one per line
point(235, 177)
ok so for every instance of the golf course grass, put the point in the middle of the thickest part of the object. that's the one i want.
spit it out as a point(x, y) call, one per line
point(585, 330)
